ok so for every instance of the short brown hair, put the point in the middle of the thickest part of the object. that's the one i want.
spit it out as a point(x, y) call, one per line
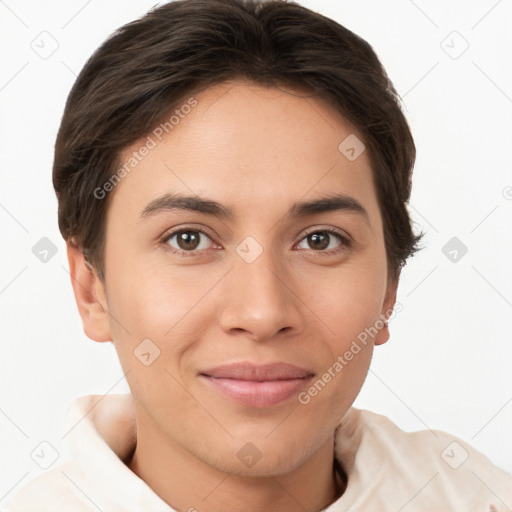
point(151, 65)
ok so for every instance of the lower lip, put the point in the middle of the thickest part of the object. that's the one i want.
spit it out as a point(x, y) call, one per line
point(258, 394)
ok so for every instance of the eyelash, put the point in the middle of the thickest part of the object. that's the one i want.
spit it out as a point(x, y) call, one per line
point(345, 241)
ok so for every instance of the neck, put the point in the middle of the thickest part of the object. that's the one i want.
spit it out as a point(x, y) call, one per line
point(187, 483)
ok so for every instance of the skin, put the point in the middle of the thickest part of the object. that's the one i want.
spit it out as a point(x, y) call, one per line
point(257, 151)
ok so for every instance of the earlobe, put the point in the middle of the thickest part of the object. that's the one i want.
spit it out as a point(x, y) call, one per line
point(89, 296)
point(387, 310)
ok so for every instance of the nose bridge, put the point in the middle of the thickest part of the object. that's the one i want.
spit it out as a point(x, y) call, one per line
point(257, 298)
point(262, 279)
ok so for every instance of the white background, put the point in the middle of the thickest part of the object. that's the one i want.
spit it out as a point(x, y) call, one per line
point(448, 363)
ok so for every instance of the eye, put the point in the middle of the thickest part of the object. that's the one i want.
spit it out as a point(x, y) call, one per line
point(190, 241)
point(327, 241)
point(187, 240)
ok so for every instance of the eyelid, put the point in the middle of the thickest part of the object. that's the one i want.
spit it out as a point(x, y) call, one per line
point(329, 229)
point(187, 227)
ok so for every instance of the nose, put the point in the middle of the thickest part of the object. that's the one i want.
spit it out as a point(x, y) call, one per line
point(259, 300)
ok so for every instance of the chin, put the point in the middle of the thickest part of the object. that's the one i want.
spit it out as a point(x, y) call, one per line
point(257, 459)
point(277, 465)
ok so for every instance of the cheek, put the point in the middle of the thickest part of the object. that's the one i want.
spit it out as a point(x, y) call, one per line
point(349, 301)
point(151, 331)
point(150, 302)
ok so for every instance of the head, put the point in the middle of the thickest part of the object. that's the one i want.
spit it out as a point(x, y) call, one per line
point(284, 132)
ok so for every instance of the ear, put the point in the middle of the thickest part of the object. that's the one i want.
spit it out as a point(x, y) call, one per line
point(89, 295)
point(387, 309)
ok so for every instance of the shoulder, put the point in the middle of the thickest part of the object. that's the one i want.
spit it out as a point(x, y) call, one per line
point(101, 431)
point(53, 490)
point(430, 468)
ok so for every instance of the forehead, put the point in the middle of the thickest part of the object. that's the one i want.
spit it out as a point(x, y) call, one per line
point(242, 143)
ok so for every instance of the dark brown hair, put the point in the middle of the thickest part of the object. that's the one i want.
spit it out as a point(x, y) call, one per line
point(152, 65)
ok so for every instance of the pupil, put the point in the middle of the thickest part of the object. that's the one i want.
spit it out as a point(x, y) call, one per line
point(319, 240)
point(188, 240)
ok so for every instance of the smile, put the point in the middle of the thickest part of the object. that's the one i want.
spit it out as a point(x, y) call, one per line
point(258, 386)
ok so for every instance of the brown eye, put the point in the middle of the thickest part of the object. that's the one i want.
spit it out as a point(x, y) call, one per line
point(319, 241)
point(188, 240)
point(324, 241)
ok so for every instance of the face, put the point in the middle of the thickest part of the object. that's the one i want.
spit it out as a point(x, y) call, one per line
point(251, 294)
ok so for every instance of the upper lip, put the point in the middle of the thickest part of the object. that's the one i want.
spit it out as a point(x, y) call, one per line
point(258, 372)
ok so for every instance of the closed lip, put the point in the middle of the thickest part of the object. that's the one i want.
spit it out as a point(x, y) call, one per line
point(257, 385)
point(258, 372)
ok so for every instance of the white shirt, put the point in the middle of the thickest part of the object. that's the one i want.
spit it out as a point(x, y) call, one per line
point(387, 468)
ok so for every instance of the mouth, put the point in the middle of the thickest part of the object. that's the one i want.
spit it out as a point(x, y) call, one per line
point(257, 386)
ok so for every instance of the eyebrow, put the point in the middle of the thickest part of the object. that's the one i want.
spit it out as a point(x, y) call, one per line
point(333, 202)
